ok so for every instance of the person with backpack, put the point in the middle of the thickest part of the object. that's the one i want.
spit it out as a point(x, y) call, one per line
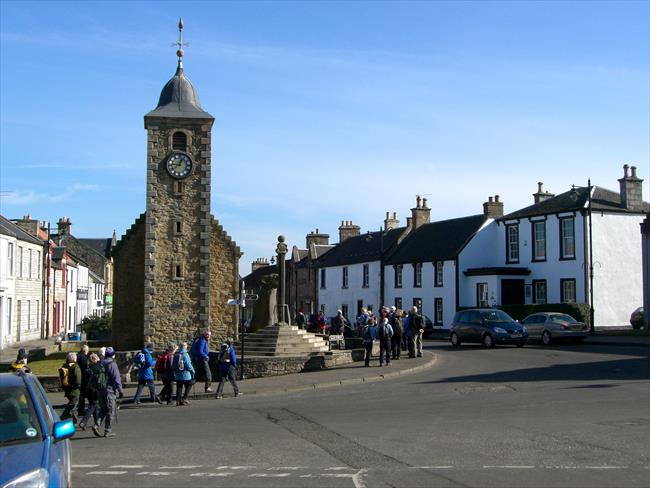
point(384, 334)
point(183, 374)
point(95, 388)
point(165, 372)
point(112, 392)
point(368, 333)
point(20, 364)
point(70, 378)
point(200, 353)
point(227, 368)
point(145, 362)
point(82, 362)
point(417, 324)
point(398, 333)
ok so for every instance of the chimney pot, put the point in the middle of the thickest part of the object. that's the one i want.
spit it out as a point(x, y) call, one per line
point(490, 199)
point(387, 214)
point(424, 203)
point(418, 201)
point(625, 168)
point(496, 198)
point(540, 187)
point(633, 168)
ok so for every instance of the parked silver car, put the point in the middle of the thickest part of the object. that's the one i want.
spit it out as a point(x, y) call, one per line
point(550, 326)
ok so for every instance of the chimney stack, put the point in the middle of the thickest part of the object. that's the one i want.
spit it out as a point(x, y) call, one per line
point(631, 189)
point(29, 225)
point(317, 238)
point(64, 226)
point(347, 229)
point(391, 223)
point(493, 208)
point(421, 214)
point(541, 195)
point(259, 263)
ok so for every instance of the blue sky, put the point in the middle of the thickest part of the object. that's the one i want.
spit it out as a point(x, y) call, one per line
point(325, 111)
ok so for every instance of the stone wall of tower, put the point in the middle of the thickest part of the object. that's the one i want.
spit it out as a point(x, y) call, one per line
point(176, 307)
point(128, 296)
point(224, 271)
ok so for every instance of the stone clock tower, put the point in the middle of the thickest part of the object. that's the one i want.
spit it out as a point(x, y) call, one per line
point(177, 235)
point(183, 248)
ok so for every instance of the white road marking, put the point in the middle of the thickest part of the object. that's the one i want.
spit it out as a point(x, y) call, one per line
point(181, 467)
point(269, 475)
point(155, 473)
point(129, 466)
point(288, 468)
point(236, 467)
point(337, 475)
point(606, 467)
point(358, 480)
point(207, 475)
point(431, 467)
point(108, 473)
point(509, 467)
point(337, 468)
point(81, 466)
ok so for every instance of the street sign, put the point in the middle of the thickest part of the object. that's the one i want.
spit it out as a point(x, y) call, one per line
point(251, 296)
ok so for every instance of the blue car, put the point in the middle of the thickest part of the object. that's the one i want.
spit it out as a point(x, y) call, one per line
point(34, 450)
point(486, 326)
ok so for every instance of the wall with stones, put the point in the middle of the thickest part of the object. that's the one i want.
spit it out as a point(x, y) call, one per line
point(128, 299)
point(224, 284)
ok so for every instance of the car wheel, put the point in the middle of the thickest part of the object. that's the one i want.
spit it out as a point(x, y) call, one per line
point(455, 341)
point(546, 338)
point(520, 344)
point(488, 341)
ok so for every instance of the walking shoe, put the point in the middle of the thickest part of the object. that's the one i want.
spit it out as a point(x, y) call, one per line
point(238, 394)
point(96, 431)
point(81, 425)
point(159, 400)
point(208, 390)
point(185, 402)
point(109, 434)
point(219, 397)
point(137, 404)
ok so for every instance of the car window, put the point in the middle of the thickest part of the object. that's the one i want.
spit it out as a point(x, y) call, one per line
point(461, 317)
point(561, 317)
point(18, 419)
point(532, 319)
point(474, 317)
point(496, 316)
point(43, 405)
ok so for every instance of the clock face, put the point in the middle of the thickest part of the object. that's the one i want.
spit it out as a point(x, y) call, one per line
point(179, 165)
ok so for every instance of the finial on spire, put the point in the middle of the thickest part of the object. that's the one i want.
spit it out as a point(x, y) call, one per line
point(180, 44)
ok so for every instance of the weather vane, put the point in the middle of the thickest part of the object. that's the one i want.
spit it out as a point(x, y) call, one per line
point(180, 43)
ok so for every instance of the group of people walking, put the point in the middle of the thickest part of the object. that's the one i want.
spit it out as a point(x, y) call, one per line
point(394, 330)
point(94, 379)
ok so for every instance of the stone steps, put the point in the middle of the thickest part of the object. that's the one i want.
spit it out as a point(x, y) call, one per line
point(283, 341)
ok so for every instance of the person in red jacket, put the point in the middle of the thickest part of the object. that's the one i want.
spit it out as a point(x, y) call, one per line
point(164, 369)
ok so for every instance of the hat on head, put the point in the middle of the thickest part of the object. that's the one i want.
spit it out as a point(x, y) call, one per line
point(110, 352)
point(393, 308)
point(22, 354)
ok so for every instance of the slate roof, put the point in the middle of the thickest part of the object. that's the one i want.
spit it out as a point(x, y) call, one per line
point(576, 200)
point(102, 246)
point(363, 248)
point(437, 241)
point(81, 251)
point(10, 229)
point(254, 279)
point(179, 98)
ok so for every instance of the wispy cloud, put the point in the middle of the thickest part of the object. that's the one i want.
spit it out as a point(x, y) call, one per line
point(29, 197)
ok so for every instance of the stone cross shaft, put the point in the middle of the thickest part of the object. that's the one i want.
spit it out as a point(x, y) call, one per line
point(281, 251)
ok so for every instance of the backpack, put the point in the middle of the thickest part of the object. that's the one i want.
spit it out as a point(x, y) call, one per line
point(139, 360)
point(224, 355)
point(64, 376)
point(180, 364)
point(398, 327)
point(366, 333)
point(194, 350)
point(98, 379)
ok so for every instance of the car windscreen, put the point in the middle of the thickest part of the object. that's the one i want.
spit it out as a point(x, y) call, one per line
point(562, 317)
point(496, 316)
point(18, 419)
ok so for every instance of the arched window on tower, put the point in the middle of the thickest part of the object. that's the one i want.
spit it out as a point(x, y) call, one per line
point(179, 141)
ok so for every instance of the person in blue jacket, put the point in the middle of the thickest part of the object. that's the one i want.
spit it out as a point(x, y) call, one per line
point(227, 368)
point(183, 374)
point(145, 374)
point(201, 358)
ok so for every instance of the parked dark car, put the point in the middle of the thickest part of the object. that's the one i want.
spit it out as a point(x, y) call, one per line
point(486, 326)
point(34, 450)
point(552, 326)
point(636, 319)
point(428, 327)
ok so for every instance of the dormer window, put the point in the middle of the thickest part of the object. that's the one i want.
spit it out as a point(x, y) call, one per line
point(179, 141)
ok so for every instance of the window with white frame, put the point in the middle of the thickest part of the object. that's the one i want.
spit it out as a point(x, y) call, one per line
point(417, 275)
point(539, 291)
point(398, 275)
point(20, 261)
point(417, 302)
point(438, 268)
point(344, 283)
point(539, 241)
point(567, 238)
point(323, 276)
point(39, 265)
point(29, 314)
point(366, 275)
point(568, 290)
point(9, 315)
point(10, 258)
point(482, 295)
point(437, 310)
point(512, 243)
point(398, 303)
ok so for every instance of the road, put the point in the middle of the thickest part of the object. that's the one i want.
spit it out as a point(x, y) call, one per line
point(570, 416)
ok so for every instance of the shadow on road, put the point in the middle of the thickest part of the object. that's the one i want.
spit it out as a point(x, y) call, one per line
point(615, 370)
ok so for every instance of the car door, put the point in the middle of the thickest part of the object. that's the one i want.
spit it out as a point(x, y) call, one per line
point(475, 326)
point(461, 325)
point(534, 326)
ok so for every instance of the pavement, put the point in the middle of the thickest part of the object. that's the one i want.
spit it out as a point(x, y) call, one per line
point(8, 353)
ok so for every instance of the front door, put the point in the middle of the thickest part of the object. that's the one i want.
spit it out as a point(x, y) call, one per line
point(512, 292)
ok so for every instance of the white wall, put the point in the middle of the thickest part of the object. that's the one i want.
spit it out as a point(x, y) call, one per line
point(7, 290)
point(334, 295)
point(618, 272)
point(28, 303)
